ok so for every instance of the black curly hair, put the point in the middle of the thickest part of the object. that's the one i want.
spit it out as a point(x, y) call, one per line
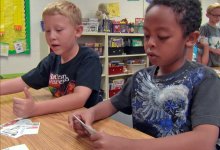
point(188, 13)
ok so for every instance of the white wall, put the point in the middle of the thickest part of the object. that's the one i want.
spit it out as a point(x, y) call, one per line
point(24, 63)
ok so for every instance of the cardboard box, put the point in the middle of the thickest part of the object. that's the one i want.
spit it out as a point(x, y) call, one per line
point(135, 67)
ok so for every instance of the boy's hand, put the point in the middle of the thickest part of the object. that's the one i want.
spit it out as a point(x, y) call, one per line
point(23, 107)
point(85, 116)
point(102, 141)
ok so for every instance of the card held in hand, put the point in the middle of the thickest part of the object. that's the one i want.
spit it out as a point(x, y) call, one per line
point(89, 129)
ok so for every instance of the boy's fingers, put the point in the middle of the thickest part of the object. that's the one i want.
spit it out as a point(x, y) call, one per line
point(18, 100)
point(70, 119)
point(95, 137)
point(27, 93)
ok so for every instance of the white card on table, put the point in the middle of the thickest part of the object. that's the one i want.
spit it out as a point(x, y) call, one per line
point(17, 147)
point(32, 129)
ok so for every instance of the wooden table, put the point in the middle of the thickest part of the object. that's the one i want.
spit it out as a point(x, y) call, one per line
point(54, 132)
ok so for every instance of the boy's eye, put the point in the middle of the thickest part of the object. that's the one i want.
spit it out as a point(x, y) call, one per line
point(59, 30)
point(48, 31)
point(146, 36)
point(163, 37)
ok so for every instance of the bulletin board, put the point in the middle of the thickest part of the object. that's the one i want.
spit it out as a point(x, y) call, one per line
point(14, 27)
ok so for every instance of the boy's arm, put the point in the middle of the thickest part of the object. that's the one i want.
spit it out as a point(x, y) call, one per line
point(12, 86)
point(205, 55)
point(28, 108)
point(105, 105)
point(215, 51)
point(203, 58)
point(203, 137)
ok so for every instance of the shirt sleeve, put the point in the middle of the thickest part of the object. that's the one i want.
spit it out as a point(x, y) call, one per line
point(203, 31)
point(206, 102)
point(122, 100)
point(38, 77)
point(89, 73)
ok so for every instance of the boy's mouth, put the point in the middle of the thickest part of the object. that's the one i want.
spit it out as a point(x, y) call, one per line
point(151, 54)
point(54, 45)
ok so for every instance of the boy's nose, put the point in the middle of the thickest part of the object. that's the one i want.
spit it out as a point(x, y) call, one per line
point(151, 42)
point(52, 36)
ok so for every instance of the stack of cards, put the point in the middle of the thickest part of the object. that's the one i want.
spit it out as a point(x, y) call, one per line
point(19, 127)
point(89, 129)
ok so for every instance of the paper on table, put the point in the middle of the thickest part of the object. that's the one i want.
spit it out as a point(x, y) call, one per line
point(17, 147)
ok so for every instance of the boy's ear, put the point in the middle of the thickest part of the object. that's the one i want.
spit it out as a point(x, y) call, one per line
point(192, 38)
point(79, 30)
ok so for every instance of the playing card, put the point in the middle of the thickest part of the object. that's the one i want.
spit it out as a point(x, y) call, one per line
point(17, 121)
point(19, 127)
point(17, 147)
point(14, 131)
point(86, 127)
point(32, 129)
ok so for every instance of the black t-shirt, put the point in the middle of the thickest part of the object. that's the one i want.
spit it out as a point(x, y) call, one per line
point(83, 70)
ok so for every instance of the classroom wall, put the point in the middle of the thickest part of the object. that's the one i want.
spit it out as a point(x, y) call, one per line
point(24, 63)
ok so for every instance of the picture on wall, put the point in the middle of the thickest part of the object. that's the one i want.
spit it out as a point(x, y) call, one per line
point(14, 27)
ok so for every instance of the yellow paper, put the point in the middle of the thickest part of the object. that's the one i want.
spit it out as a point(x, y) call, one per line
point(18, 14)
point(2, 17)
point(113, 9)
point(11, 35)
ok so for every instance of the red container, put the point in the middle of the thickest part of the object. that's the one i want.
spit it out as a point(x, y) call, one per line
point(116, 28)
point(115, 70)
point(113, 92)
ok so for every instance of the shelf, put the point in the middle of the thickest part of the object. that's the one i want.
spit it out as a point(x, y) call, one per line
point(119, 75)
point(134, 55)
point(105, 59)
point(94, 33)
point(126, 34)
point(112, 34)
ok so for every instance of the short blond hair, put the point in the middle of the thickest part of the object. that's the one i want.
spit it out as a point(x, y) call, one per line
point(65, 8)
point(212, 7)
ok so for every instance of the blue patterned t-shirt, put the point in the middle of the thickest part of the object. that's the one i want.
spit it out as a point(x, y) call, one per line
point(171, 104)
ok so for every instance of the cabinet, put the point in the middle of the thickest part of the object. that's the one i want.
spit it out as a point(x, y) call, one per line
point(102, 39)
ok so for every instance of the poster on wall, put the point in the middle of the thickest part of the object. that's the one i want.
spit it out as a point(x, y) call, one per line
point(14, 27)
point(113, 9)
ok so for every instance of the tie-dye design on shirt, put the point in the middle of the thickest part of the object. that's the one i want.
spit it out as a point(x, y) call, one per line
point(161, 107)
point(60, 85)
